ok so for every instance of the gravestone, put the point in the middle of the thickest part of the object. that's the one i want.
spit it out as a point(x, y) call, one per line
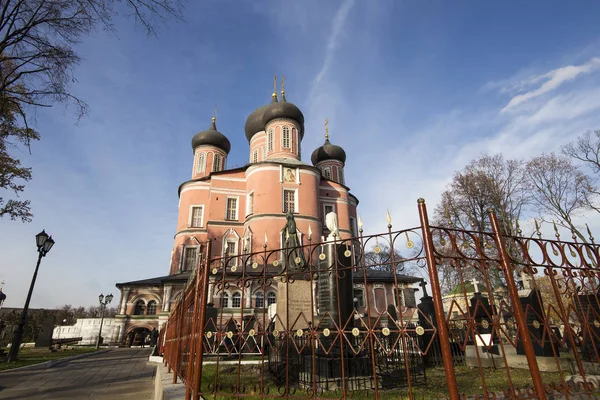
point(588, 307)
point(533, 308)
point(482, 312)
point(44, 336)
point(295, 297)
point(427, 320)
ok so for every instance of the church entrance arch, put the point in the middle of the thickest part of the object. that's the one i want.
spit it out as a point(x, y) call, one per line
point(137, 336)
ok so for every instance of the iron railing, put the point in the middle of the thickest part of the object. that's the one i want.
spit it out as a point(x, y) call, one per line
point(505, 317)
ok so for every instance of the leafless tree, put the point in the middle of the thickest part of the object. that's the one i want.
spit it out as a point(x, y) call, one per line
point(488, 182)
point(559, 190)
point(586, 149)
point(37, 62)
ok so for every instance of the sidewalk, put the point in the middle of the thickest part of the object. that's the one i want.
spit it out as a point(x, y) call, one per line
point(119, 374)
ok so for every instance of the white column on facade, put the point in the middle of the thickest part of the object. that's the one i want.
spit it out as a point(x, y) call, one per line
point(248, 295)
point(167, 299)
point(124, 296)
point(211, 293)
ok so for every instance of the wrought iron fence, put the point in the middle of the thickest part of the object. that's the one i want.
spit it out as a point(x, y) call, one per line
point(506, 317)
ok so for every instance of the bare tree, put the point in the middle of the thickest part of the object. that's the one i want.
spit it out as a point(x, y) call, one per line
point(37, 61)
point(586, 149)
point(488, 182)
point(559, 190)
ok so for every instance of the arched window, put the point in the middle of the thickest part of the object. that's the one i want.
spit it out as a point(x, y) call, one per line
point(341, 175)
point(236, 300)
point(217, 163)
point(255, 155)
point(271, 298)
point(285, 138)
point(139, 308)
point(225, 300)
point(151, 308)
point(201, 163)
point(270, 140)
point(260, 300)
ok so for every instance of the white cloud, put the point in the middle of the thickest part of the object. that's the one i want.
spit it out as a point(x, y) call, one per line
point(552, 80)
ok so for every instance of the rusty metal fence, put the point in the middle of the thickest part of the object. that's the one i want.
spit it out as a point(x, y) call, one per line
point(496, 316)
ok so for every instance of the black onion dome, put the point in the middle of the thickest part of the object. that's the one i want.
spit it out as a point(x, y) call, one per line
point(284, 109)
point(254, 122)
point(328, 152)
point(211, 137)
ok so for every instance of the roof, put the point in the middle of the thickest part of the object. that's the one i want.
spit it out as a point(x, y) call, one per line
point(159, 280)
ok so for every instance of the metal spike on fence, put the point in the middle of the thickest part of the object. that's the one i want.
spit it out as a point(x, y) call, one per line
point(309, 233)
point(519, 231)
point(471, 221)
point(537, 228)
point(589, 233)
point(388, 218)
point(556, 230)
point(265, 245)
point(573, 235)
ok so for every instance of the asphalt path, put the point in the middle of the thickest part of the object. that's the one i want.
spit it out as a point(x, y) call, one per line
point(119, 374)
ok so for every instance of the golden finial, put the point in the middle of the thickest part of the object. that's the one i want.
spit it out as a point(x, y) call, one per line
point(214, 117)
point(556, 230)
point(326, 129)
point(274, 95)
point(519, 231)
point(537, 228)
point(388, 217)
point(589, 233)
point(309, 233)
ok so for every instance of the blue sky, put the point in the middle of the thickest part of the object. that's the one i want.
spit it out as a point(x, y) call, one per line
point(413, 90)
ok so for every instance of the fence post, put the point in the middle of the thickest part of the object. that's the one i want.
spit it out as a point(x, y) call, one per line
point(189, 384)
point(437, 303)
point(201, 322)
point(178, 330)
point(518, 310)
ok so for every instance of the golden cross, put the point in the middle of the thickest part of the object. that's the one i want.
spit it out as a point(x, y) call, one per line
point(275, 83)
point(282, 84)
point(326, 128)
point(215, 112)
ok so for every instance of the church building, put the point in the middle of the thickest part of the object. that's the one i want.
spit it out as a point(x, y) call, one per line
point(242, 209)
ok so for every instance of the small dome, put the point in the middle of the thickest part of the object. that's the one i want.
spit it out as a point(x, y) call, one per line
point(211, 137)
point(254, 122)
point(328, 152)
point(283, 109)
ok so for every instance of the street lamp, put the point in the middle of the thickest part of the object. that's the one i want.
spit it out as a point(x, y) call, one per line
point(44, 244)
point(103, 304)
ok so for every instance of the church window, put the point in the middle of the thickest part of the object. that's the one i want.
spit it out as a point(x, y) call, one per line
point(359, 298)
point(285, 138)
point(190, 258)
point(225, 300)
point(139, 308)
point(270, 140)
point(197, 214)
point(236, 300)
point(255, 155)
point(341, 175)
point(151, 308)
point(353, 229)
point(231, 212)
point(400, 296)
point(264, 153)
point(200, 168)
point(271, 298)
point(250, 203)
point(217, 162)
point(327, 208)
point(327, 172)
point(289, 200)
point(230, 246)
point(260, 300)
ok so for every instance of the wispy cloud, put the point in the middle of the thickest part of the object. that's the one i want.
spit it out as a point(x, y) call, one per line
point(332, 42)
point(551, 81)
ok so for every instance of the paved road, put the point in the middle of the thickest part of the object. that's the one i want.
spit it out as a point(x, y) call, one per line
point(119, 374)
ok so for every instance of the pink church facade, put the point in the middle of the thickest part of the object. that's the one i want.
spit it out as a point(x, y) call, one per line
point(242, 209)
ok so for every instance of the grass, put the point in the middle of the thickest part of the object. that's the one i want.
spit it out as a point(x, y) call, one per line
point(469, 382)
point(31, 356)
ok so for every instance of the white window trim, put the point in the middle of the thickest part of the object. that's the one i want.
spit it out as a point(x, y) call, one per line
point(353, 226)
point(185, 267)
point(191, 216)
point(201, 166)
point(295, 190)
point(341, 178)
point(327, 168)
point(264, 153)
point(281, 145)
point(235, 249)
point(231, 297)
point(219, 165)
point(329, 204)
point(250, 210)
point(237, 207)
point(254, 156)
point(270, 139)
point(267, 298)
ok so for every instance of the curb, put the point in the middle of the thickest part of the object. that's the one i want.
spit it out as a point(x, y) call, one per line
point(52, 363)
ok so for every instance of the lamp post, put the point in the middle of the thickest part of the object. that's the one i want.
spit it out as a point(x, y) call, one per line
point(44, 244)
point(103, 304)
